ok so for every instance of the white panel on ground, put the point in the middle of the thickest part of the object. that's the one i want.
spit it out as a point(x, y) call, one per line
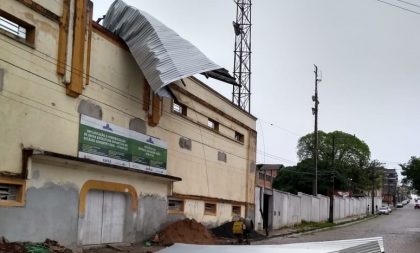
point(368, 245)
point(114, 210)
point(91, 233)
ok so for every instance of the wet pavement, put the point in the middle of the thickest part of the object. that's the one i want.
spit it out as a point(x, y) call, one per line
point(400, 230)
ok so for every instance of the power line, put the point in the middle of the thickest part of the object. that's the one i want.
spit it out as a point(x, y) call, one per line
point(397, 6)
point(84, 75)
point(416, 5)
point(281, 128)
point(127, 113)
point(102, 83)
point(262, 132)
point(277, 157)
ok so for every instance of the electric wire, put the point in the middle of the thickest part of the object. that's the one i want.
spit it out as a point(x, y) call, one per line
point(281, 128)
point(102, 83)
point(409, 3)
point(400, 7)
point(262, 133)
point(127, 113)
point(95, 80)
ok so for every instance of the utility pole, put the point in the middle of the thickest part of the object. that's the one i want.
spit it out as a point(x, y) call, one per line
point(331, 217)
point(315, 113)
point(373, 187)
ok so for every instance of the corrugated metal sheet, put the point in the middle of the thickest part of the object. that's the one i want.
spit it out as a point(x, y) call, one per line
point(365, 245)
point(370, 247)
point(162, 55)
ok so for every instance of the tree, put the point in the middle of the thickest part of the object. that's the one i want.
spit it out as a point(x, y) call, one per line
point(299, 178)
point(348, 149)
point(411, 170)
point(340, 153)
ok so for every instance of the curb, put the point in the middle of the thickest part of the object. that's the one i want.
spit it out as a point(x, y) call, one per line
point(337, 225)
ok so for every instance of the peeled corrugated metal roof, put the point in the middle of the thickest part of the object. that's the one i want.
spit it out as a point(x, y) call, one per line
point(365, 245)
point(162, 55)
point(370, 247)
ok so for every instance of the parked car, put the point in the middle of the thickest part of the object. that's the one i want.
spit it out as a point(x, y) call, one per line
point(384, 210)
point(417, 206)
point(399, 205)
point(389, 208)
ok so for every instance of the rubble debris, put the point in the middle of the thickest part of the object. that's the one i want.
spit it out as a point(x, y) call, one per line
point(185, 231)
point(225, 231)
point(36, 248)
point(115, 248)
point(55, 247)
point(8, 247)
point(49, 246)
point(3, 240)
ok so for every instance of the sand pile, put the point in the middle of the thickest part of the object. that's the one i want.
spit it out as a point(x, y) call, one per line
point(185, 231)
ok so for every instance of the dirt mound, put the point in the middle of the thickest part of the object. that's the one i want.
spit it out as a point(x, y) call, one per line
point(185, 231)
point(225, 231)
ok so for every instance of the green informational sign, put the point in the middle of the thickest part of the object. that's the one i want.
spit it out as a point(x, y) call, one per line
point(108, 143)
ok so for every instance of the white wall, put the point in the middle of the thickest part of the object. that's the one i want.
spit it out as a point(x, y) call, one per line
point(289, 209)
point(306, 205)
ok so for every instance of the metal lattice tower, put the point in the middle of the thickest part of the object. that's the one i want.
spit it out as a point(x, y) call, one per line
point(241, 95)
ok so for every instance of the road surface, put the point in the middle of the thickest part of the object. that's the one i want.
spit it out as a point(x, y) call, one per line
point(400, 230)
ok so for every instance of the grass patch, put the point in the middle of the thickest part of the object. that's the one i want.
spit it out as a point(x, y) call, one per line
point(310, 225)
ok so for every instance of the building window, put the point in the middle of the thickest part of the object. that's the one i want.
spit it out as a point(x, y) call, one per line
point(12, 192)
point(179, 108)
point(210, 208)
point(175, 206)
point(8, 192)
point(261, 176)
point(213, 124)
point(16, 28)
point(239, 137)
point(236, 210)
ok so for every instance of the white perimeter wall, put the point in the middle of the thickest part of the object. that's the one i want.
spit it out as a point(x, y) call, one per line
point(289, 209)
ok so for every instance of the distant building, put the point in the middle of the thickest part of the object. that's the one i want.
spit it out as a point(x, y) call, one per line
point(389, 188)
point(265, 174)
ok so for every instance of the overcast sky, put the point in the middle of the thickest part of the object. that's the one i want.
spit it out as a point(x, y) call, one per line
point(369, 54)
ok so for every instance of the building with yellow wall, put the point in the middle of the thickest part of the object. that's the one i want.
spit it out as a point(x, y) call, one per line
point(58, 67)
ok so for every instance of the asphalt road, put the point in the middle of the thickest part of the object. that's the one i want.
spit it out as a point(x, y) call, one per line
point(400, 230)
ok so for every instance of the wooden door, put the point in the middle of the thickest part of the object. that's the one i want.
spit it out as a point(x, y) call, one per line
point(114, 210)
point(92, 227)
point(104, 218)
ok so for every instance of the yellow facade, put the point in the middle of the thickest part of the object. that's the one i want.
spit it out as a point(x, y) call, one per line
point(36, 113)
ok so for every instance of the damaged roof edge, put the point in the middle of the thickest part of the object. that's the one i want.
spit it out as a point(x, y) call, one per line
point(37, 152)
point(162, 55)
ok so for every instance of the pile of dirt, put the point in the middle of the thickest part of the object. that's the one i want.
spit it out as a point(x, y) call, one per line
point(185, 231)
point(225, 231)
